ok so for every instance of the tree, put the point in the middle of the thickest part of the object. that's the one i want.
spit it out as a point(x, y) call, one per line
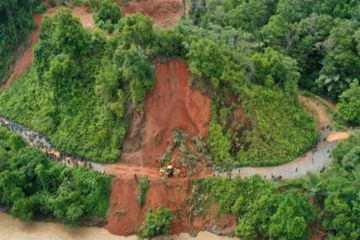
point(307, 46)
point(271, 67)
point(292, 217)
point(340, 9)
point(16, 22)
point(107, 11)
point(138, 70)
point(349, 103)
point(342, 197)
point(22, 209)
point(342, 60)
point(277, 32)
point(207, 60)
point(352, 159)
point(250, 15)
point(68, 34)
point(136, 30)
point(295, 10)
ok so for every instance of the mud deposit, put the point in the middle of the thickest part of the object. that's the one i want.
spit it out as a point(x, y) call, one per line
point(11, 229)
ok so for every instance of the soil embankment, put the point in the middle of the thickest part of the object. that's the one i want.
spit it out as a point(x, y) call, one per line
point(166, 13)
point(126, 215)
point(25, 60)
point(171, 104)
point(12, 229)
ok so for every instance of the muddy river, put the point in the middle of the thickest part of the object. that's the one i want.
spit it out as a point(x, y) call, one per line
point(13, 229)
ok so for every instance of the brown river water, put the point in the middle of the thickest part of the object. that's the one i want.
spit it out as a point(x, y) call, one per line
point(13, 229)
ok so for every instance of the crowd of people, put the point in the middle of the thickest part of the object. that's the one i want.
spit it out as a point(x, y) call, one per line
point(43, 144)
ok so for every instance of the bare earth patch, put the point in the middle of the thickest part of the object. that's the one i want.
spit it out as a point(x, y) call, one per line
point(84, 13)
point(166, 13)
point(338, 136)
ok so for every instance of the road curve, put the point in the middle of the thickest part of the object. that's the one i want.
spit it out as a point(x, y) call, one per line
point(316, 160)
point(313, 161)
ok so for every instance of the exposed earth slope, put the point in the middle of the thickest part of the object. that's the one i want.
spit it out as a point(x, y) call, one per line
point(166, 13)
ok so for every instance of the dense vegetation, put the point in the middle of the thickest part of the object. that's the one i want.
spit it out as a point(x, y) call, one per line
point(157, 222)
point(339, 193)
point(82, 88)
point(82, 85)
point(262, 211)
point(260, 83)
point(349, 104)
point(271, 210)
point(16, 22)
point(33, 186)
point(322, 38)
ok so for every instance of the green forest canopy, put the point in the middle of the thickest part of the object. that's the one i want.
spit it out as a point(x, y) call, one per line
point(16, 22)
point(32, 185)
point(246, 54)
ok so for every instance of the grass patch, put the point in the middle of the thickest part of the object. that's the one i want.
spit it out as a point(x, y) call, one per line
point(143, 187)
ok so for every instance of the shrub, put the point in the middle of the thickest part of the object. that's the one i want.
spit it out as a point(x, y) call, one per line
point(349, 104)
point(106, 14)
point(262, 211)
point(208, 60)
point(157, 222)
point(143, 187)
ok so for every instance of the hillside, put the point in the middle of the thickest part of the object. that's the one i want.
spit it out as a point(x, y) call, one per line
point(245, 101)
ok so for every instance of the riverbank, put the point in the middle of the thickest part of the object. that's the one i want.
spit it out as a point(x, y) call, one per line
point(13, 229)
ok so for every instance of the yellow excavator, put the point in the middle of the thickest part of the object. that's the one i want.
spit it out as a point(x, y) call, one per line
point(170, 171)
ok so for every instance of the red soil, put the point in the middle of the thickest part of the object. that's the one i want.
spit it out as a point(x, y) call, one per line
point(124, 198)
point(25, 60)
point(126, 216)
point(84, 13)
point(317, 232)
point(171, 104)
point(225, 224)
point(166, 13)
